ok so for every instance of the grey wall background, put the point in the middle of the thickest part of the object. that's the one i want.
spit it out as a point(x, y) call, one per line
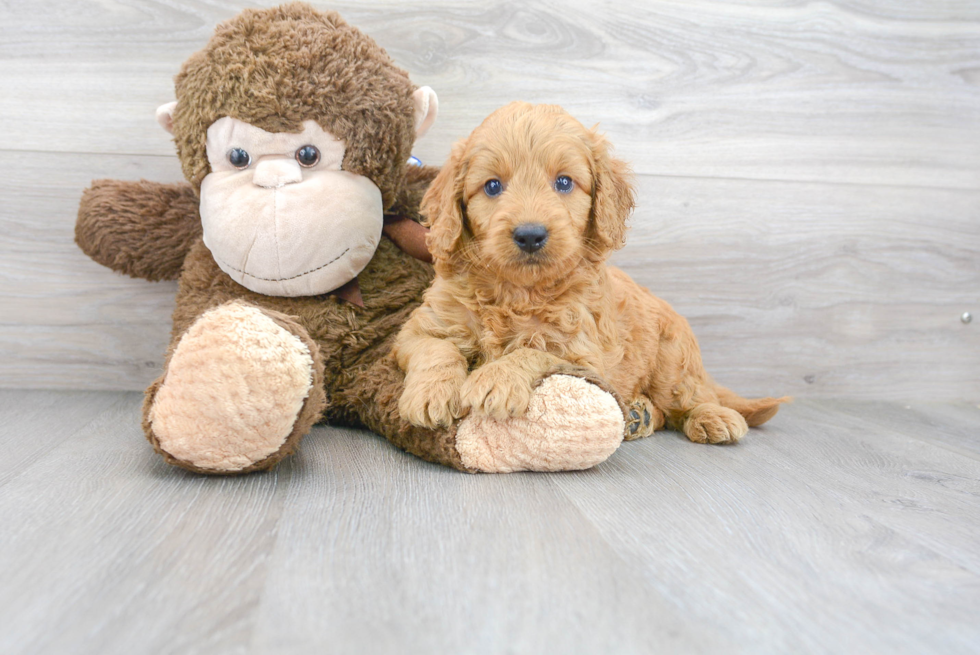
point(808, 173)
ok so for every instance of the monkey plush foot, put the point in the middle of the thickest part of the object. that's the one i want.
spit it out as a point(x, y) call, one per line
point(241, 388)
point(570, 424)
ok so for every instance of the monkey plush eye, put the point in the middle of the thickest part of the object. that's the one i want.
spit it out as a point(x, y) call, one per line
point(493, 188)
point(239, 158)
point(564, 184)
point(308, 156)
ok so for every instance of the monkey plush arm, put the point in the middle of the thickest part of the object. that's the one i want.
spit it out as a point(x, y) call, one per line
point(143, 229)
point(402, 220)
point(414, 186)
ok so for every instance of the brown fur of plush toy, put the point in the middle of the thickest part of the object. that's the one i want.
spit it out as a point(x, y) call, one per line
point(168, 212)
point(510, 311)
point(249, 71)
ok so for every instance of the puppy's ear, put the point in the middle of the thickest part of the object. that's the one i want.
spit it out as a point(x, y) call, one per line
point(442, 206)
point(613, 198)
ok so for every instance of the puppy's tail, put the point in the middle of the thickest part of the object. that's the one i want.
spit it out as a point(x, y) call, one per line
point(755, 410)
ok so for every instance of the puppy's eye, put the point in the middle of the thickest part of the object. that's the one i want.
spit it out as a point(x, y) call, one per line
point(239, 158)
point(564, 184)
point(493, 188)
point(308, 156)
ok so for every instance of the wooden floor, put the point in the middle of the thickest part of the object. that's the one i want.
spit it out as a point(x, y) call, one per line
point(840, 527)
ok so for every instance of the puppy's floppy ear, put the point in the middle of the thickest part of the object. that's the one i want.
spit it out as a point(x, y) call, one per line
point(442, 206)
point(613, 197)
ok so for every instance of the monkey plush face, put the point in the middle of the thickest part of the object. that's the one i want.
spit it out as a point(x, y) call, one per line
point(280, 216)
point(296, 128)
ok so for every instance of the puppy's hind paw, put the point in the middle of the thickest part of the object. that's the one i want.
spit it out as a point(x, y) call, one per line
point(710, 423)
point(643, 419)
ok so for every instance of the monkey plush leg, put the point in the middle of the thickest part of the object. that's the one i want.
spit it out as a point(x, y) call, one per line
point(370, 397)
point(572, 422)
point(241, 388)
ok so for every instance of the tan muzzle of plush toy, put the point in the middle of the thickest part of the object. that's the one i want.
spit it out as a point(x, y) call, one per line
point(259, 223)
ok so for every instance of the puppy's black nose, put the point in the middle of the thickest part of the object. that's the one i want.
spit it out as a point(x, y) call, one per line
point(530, 237)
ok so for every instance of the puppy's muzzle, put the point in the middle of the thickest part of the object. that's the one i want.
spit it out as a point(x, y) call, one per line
point(530, 237)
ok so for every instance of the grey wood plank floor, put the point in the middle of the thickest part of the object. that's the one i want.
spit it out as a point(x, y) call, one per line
point(842, 526)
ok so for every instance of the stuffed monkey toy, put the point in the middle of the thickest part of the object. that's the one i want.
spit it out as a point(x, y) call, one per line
point(299, 255)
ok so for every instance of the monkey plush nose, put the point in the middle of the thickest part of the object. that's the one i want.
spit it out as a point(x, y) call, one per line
point(275, 173)
point(530, 237)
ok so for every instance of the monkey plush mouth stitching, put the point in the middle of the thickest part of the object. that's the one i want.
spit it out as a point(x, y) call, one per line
point(284, 279)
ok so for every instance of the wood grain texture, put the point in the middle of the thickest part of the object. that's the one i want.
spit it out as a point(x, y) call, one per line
point(830, 91)
point(798, 288)
point(825, 514)
point(809, 173)
point(106, 549)
point(379, 553)
point(35, 422)
point(836, 528)
point(818, 289)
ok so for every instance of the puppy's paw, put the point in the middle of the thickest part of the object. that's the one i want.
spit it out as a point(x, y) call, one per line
point(432, 398)
point(497, 391)
point(643, 419)
point(709, 423)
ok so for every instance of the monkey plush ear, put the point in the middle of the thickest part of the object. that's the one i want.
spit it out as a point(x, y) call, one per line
point(165, 116)
point(426, 108)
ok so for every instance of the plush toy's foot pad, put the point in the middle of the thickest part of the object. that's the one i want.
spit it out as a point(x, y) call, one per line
point(571, 424)
point(233, 390)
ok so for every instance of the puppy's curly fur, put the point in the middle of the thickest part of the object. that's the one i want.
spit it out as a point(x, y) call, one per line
point(507, 313)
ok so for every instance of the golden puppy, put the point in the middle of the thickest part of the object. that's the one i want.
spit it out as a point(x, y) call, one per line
point(523, 218)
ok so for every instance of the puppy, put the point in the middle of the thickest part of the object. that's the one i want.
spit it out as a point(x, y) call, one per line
point(523, 218)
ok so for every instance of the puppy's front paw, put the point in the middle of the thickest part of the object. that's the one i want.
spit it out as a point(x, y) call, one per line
point(432, 398)
point(497, 391)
